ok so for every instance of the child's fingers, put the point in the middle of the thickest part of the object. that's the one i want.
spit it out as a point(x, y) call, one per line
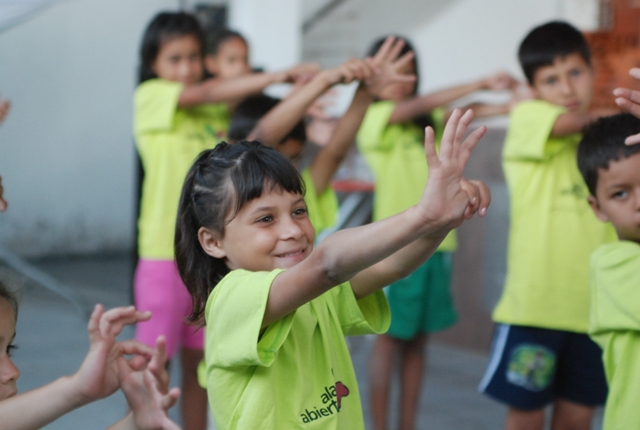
point(170, 399)
point(448, 137)
point(114, 320)
point(635, 72)
point(383, 52)
point(626, 93)
point(395, 50)
point(632, 140)
point(158, 364)
point(94, 323)
point(406, 58)
point(628, 106)
point(469, 143)
point(131, 347)
point(464, 123)
point(138, 362)
point(485, 197)
point(473, 194)
point(430, 148)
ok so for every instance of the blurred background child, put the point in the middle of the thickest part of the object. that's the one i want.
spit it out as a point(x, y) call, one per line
point(390, 140)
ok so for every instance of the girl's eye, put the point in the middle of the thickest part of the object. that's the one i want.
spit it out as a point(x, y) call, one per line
point(300, 211)
point(620, 195)
point(575, 72)
point(265, 219)
point(551, 81)
point(10, 348)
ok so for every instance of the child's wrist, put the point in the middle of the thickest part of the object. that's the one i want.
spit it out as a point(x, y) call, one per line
point(71, 388)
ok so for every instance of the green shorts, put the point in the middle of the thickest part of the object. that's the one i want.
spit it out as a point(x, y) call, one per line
point(422, 302)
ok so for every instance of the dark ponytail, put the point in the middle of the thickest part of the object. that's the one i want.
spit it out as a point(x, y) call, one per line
point(220, 182)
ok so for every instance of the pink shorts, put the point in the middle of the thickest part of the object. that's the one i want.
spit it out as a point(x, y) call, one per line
point(159, 289)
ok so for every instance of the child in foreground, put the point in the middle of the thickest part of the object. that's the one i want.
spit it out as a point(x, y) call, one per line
point(103, 371)
point(276, 309)
point(611, 170)
point(541, 353)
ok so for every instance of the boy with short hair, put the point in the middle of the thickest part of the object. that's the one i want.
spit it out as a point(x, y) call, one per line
point(611, 170)
point(541, 353)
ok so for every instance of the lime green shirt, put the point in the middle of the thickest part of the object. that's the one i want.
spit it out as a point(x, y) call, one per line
point(395, 154)
point(615, 326)
point(553, 231)
point(168, 141)
point(323, 208)
point(298, 373)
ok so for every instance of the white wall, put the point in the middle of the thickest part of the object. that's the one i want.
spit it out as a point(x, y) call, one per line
point(66, 152)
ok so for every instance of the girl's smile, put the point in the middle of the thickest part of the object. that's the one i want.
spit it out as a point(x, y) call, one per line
point(9, 373)
point(270, 232)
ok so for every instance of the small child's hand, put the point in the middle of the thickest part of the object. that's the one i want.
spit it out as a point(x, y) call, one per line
point(629, 101)
point(301, 73)
point(349, 71)
point(98, 374)
point(449, 199)
point(146, 387)
point(500, 81)
point(5, 105)
point(386, 65)
point(3, 202)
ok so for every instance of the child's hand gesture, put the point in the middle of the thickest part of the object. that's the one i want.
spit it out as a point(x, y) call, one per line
point(349, 71)
point(500, 81)
point(146, 387)
point(301, 73)
point(629, 101)
point(3, 202)
point(386, 64)
point(98, 374)
point(448, 198)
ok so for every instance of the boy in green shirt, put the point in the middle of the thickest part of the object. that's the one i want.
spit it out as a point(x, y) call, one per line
point(541, 354)
point(611, 170)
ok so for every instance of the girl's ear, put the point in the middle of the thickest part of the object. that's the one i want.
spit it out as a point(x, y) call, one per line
point(211, 243)
point(595, 205)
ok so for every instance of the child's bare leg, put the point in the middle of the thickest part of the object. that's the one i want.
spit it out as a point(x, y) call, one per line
point(571, 416)
point(412, 370)
point(380, 371)
point(518, 419)
point(194, 397)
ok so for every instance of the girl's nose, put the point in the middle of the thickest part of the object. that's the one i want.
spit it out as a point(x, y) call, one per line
point(9, 372)
point(290, 229)
point(566, 87)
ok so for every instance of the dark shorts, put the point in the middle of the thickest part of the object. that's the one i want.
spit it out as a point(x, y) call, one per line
point(531, 367)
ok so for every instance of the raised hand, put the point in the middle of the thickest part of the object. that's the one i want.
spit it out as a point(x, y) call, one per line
point(146, 387)
point(5, 105)
point(98, 374)
point(629, 101)
point(449, 199)
point(349, 71)
point(500, 81)
point(386, 63)
point(3, 202)
point(301, 73)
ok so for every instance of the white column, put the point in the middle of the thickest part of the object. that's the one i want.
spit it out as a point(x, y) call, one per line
point(273, 29)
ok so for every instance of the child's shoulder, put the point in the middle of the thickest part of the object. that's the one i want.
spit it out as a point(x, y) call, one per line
point(155, 86)
point(535, 108)
point(616, 256)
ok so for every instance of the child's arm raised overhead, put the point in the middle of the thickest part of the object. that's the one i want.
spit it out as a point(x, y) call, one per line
point(407, 110)
point(629, 101)
point(222, 90)
point(444, 205)
point(96, 378)
point(386, 64)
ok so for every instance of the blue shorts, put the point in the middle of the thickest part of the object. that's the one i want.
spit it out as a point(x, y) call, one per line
point(531, 367)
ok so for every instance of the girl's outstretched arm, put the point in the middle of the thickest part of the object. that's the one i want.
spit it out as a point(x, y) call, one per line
point(386, 64)
point(280, 120)
point(96, 378)
point(629, 101)
point(223, 90)
point(444, 205)
point(421, 105)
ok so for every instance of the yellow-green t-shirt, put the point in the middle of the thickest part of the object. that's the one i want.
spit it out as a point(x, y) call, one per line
point(395, 154)
point(298, 373)
point(168, 139)
point(615, 326)
point(553, 231)
point(323, 208)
